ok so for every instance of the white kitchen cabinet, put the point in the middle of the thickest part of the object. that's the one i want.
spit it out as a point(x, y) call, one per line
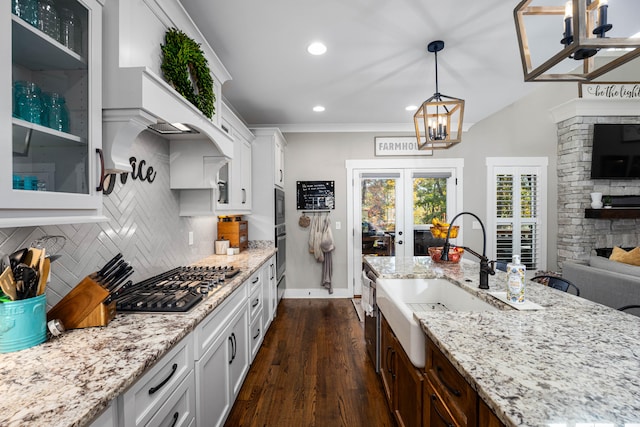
point(168, 384)
point(222, 358)
point(35, 152)
point(256, 312)
point(234, 179)
point(270, 297)
point(278, 155)
point(268, 172)
point(108, 417)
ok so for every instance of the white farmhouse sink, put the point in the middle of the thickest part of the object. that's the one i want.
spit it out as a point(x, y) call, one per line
point(398, 299)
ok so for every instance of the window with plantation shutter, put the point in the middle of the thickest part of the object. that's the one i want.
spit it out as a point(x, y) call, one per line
point(516, 206)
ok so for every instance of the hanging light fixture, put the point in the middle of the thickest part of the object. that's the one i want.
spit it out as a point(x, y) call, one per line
point(436, 117)
point(585, 24)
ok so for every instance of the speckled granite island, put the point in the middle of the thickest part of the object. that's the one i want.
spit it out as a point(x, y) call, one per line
point(69, 380)
point(574, 363)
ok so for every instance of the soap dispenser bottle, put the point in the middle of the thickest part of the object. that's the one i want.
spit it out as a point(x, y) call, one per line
point(516, 272)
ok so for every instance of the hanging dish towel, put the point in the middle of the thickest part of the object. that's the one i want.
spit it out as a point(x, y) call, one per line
point(367, 294)
point(327, 246)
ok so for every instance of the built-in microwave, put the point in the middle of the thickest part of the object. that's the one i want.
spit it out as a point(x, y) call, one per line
point(279, 207)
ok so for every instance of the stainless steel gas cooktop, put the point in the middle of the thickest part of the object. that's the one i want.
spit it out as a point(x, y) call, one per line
point(176, 290)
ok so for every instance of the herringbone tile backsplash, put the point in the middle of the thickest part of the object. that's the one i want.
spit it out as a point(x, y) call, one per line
point(143, 225)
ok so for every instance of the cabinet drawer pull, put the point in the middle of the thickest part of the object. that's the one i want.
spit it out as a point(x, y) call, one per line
point(257, 335)
point(244, 196)
point(453, 390)
point(434, 399)
point(255, 280)
point(174, 368)
point(255, 303)
point(387, 359)
point(175, 419)
point(232, 350)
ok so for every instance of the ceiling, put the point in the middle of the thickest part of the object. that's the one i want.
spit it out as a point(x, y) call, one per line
point(376, 65)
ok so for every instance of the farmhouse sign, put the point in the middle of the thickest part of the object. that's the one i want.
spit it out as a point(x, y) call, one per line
point(603, 90)
point(399, 146)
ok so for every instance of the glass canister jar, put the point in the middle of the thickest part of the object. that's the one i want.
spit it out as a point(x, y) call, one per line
point(27, 10)
point(19, 87)
point(70, 31)
point(49, 21)
point(58, 113)
point(30, 104)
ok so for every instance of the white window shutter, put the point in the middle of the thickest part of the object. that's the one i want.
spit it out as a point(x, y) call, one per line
point(517, 198)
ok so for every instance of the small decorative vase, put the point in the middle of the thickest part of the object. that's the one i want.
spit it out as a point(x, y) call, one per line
point(596, 200)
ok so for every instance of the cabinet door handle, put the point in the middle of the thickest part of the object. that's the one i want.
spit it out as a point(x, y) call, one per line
point(100, 186)
point(393, 359)
point(453, 390)
point(244, 196)
point(174, 368)
point(255, 303)
point(175, 419)
point(272, 270)
point(235, 345)
point(281, 176)
point(257, 335)
point(254, 281)
point(434, 399)
point(387, 359)
point(232, 350)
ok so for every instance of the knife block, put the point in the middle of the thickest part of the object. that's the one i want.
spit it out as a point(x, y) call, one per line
point(84, 306)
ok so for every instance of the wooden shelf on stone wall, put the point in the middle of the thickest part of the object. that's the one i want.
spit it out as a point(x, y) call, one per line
point(613, 213)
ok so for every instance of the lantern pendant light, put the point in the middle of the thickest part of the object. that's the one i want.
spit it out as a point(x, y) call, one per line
point(585, 24)
point(437, 116)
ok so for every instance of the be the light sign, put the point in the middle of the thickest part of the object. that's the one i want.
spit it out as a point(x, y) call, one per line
point(399, 146)
point(603, 90)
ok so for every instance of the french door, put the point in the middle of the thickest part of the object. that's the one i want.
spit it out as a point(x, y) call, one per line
point(392, 208)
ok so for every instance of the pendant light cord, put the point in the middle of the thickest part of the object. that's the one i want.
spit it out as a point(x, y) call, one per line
point(437, 91)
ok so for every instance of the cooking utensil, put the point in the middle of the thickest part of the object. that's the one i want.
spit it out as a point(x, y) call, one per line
point(8, 284)
point(45, 268)
point(4, 262)
point(53, 244)
point(32, 257)
point(26, 281)
point(17, 257)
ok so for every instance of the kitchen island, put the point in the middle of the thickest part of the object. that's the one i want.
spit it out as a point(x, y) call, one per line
point(69, 380)
point(571, 363)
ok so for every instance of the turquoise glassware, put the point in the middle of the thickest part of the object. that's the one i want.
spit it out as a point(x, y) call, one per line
point(58, 114)
point(27, 10)
point(30, 104)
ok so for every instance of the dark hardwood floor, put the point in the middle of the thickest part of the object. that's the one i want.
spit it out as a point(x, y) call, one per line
point(312, 370)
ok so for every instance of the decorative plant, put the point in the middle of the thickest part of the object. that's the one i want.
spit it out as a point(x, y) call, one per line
point(606, 200)
point(185, 66)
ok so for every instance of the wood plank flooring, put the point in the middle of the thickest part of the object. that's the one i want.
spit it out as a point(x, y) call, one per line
point(312, 370)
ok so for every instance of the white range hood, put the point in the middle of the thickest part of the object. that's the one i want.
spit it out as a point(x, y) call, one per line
point(137, 99)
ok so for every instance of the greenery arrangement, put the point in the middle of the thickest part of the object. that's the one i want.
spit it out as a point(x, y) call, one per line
point(185, 68)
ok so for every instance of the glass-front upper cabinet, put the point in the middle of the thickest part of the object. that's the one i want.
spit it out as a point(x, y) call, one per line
point(51, 107)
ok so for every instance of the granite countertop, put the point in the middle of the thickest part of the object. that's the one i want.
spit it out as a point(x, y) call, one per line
point(572, 363)
point(69, 380)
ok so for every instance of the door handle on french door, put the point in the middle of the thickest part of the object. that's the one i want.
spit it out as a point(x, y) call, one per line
point(399, 242)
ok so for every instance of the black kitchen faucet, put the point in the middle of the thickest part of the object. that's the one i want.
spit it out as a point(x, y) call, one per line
point(486, 266)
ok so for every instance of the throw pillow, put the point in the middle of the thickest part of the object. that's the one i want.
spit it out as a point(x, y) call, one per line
point(620, 255)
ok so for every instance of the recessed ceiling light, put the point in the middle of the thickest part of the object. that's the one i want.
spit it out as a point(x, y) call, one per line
point(318, 108)
point(411, 108)
point(316, 48)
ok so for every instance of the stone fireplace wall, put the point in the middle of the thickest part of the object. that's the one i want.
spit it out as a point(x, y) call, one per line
point(577, 235)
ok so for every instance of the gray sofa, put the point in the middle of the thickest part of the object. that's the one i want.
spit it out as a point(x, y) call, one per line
point(607, 282)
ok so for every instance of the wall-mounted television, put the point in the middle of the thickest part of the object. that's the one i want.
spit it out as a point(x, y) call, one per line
point(616, 151)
